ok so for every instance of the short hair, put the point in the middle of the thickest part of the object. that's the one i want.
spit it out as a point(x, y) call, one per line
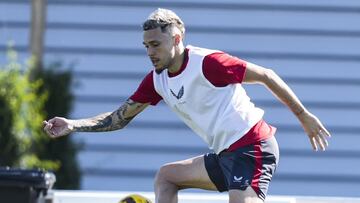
point(166, 19)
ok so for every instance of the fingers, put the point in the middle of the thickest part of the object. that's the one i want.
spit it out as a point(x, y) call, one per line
point(325, 132)
point(316, 132)
point(53, 120)
point(323, 137)
point(322, 143)
point(319, 139)
point(313, 143)
point(48, 128)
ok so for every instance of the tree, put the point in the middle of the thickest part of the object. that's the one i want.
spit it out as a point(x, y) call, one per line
point(57, 85)
point(37, 33)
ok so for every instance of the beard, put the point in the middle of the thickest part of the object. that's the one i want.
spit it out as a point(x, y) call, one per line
point(159, 71)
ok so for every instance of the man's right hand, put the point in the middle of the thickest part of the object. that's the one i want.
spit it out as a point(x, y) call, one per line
point(57, 127)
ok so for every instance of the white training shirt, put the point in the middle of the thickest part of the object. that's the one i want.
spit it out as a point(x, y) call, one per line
point(219, 115)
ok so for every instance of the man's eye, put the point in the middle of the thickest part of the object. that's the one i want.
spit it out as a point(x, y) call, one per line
point(155, 45)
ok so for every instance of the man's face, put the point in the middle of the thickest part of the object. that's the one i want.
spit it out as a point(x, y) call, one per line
point(160, 48)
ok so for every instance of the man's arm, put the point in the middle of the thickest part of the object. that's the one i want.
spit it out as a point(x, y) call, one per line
point(110, 121)
point(311, 124)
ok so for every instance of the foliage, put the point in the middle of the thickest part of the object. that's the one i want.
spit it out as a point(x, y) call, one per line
point(21, 116)
point(24, 105)
point(57, 83)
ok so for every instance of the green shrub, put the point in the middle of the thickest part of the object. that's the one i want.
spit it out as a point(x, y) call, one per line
point(24, 105)
point(57, 83)
point(21, 117)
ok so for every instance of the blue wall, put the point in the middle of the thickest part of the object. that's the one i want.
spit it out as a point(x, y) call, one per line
point(313, 45)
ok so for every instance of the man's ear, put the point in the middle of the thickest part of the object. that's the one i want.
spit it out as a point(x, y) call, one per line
point(177, 39)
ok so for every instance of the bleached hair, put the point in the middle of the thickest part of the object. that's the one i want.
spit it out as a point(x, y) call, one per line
point(166, 19)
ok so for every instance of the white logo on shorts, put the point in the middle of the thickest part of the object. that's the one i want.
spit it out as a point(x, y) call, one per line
point(238, 179)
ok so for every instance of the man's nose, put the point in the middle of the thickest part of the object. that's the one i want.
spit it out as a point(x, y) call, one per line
point(150, 52)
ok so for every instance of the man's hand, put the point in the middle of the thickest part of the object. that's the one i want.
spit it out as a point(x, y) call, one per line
point(316, 132)
point(57, 127)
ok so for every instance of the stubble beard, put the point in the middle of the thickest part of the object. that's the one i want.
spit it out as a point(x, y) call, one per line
point(159, 71)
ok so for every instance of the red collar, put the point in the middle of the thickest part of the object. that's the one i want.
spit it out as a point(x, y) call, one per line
point(183, 65)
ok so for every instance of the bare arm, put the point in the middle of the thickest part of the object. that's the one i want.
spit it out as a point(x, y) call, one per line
point(110, 121)
point(311, 124)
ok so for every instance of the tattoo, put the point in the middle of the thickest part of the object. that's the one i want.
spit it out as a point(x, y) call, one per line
point(98, 123)
point(120, 112)
point(103, 124)
point(298, 113)
point(109, 121)
point(122, 121)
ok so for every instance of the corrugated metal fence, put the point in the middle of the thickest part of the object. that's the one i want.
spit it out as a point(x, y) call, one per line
point(313, 45)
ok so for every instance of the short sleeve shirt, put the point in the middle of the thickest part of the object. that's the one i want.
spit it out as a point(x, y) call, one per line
point(221, 69)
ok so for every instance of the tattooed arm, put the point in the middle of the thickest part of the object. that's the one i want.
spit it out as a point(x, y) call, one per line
point(118, 119)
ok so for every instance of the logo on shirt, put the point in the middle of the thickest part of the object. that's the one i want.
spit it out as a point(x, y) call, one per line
point(179, 94)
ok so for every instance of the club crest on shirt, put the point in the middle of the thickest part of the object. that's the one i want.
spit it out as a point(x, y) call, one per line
point(179, 94)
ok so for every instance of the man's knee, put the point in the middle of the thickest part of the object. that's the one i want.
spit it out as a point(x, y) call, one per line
point(164, 176)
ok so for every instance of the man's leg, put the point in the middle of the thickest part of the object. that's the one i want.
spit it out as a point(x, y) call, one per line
point(251, 171)
point(171, 177)
point(246, 196)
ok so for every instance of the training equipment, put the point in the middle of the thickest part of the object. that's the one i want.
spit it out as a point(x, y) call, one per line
point(135, 198)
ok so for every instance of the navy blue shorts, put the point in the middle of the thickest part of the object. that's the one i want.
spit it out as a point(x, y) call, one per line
point(252, 165)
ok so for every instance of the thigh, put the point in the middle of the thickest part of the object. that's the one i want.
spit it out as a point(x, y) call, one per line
point(245, 196)
point(189, 173)
point(251, 166)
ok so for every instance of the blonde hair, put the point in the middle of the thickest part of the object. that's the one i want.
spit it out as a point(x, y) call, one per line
point(166, 19)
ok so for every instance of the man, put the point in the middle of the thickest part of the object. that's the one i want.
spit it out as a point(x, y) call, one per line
point(203, 87)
